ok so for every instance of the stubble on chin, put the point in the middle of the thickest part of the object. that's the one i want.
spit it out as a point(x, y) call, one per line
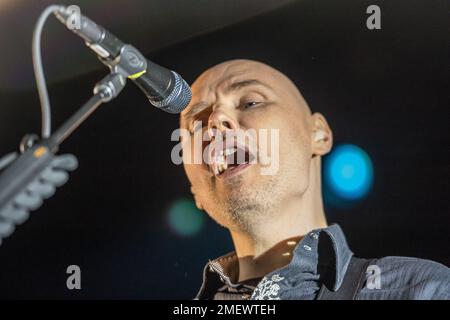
point(244, 207)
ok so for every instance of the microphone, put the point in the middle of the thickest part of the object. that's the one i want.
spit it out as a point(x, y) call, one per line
point(164, 88)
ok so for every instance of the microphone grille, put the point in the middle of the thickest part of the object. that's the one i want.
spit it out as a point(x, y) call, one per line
point(178, 99)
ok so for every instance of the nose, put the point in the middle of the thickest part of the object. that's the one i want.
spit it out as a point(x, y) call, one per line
point(221, 121)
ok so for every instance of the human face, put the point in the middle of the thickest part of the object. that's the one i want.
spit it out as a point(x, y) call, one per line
point(237, 96)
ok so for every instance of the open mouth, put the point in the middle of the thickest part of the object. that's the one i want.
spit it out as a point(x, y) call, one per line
point(230, 160)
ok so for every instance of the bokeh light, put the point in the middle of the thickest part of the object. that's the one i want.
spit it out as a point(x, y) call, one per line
point(184, 218)
point(348, 174)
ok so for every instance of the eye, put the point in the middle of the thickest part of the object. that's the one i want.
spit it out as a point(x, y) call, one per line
point(250, 104)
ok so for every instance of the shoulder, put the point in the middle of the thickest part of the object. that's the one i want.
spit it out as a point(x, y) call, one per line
point(408, 278)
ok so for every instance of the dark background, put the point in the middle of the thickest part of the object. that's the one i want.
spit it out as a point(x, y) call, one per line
point(386, 91)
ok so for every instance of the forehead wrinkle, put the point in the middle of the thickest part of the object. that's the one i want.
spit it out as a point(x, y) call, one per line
point(226, 81)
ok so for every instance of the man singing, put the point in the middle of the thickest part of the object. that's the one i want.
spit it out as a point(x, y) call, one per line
point(284, 248)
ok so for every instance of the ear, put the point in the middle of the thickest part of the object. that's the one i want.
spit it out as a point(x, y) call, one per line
point(198, 204)
point(321, 135)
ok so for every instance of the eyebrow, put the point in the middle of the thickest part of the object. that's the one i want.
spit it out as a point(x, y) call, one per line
point(235, 86)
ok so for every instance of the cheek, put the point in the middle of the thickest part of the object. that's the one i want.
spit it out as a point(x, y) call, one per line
point(293, 139)
point(295, 158)
point(193, 172)
point(194, 149)
point(296, 148)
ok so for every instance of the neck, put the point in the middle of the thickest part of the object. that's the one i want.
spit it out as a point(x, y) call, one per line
point(269, 245)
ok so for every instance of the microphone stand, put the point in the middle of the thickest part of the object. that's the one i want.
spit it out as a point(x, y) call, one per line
point(104, 91)
point(34, 175)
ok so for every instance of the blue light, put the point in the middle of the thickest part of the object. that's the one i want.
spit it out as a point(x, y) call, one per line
point(348, 173)
point(184, 218)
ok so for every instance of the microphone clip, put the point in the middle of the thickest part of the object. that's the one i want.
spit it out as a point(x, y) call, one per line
point(130, 63)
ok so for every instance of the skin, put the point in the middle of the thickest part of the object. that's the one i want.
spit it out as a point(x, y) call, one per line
point(266, 214)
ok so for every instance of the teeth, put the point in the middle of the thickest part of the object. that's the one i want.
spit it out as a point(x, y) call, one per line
point(221, 160)
point(221, 163)
point(223, 167)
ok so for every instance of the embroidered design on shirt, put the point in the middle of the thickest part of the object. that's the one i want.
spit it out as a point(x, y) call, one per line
point(268, 289)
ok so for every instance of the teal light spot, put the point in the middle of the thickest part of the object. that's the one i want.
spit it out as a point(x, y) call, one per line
point(348, 172)
point(184, 218)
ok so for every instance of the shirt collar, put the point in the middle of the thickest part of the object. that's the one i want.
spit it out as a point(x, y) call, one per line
point(342, 252)
point(306, 255)
point(305, 259)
